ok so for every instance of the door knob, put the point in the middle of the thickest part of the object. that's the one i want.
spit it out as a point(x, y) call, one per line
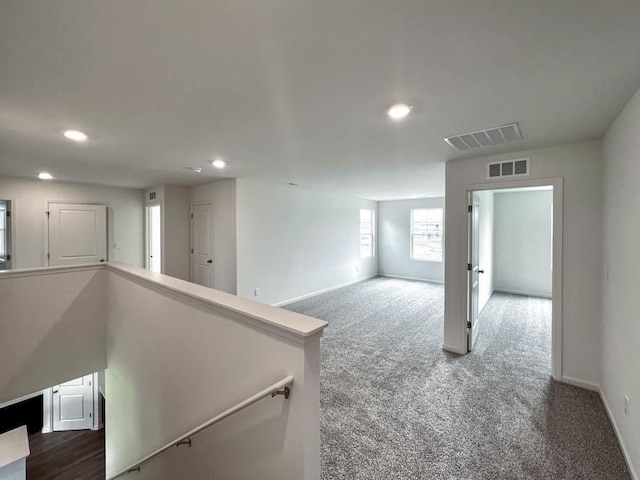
point(480, 271)
point(209, 261)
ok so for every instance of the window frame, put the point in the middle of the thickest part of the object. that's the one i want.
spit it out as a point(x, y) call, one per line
point(372, 234)
point(412, 235)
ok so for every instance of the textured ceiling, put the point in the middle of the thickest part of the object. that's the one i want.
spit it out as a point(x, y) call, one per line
point(295, 91)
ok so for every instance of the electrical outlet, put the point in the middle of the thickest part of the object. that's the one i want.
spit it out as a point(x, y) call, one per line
point(256, 292)
point(626, 405)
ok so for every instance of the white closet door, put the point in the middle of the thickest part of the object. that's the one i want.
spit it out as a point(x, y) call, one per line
point(77, 234)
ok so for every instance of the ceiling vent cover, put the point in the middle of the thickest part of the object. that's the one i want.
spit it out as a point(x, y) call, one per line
point(485, 138)
point(510, 168)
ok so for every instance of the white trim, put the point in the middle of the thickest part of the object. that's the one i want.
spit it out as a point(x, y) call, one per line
point(576, 382)
point(21, 399)
point(97, 421)
point(324, 290)
point(47, 410)
point(402, 277)
point(451, 349)
point(558, 209)
point(522, 292)
point(625, 451)
point(36, 272)
point(292, 326)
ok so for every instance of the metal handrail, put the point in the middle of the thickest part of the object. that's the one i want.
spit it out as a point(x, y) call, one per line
point(283, 387)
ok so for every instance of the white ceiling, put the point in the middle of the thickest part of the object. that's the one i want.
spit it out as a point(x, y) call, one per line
point(296, 90)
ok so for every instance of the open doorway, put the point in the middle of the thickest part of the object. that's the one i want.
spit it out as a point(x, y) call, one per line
point(153, 237)
point(5, 235)
point(512, 258)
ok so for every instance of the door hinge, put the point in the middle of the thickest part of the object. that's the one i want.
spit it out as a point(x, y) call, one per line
point(90, 414)
point(8, 214)
point(469, 266)
point(468, 324)
point(470, 208)
point(48, 255)
point(192, 250)
point(8, 258)
point(47, 213)
point(192, 215)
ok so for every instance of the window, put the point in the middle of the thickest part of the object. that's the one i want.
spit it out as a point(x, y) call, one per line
point(367, 229)
point(426, 234)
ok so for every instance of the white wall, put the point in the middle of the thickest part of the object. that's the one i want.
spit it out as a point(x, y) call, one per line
point(485, 260)
point(522, 242)
point(125, 217)
point(580, 165)
point(177, 358)
point(293, 241)
point(222, 195)
point(176, 226)
point(621, 310)
point(394, 245)
point(53, 328)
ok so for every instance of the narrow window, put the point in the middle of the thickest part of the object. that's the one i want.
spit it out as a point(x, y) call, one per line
point(426, 234)
point(367, 229)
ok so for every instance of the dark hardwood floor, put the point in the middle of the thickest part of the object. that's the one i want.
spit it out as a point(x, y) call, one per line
point(75, 455)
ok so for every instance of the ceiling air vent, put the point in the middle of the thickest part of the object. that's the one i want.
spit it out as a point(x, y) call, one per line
point(485, 138)
point(510, 168)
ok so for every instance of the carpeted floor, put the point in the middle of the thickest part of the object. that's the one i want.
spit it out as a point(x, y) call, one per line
point(396, 406)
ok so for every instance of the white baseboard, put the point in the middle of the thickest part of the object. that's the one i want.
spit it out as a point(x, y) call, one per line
point(402, 277)
point(325, 290)
point(451, 349)
point(625, 450)
point(522, 292)
point(580, 383)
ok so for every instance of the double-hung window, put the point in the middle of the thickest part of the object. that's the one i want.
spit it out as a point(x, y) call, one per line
point(367, 235)
point(426, 234)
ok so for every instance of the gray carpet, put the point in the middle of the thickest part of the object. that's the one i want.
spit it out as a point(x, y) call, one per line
point(396, 406)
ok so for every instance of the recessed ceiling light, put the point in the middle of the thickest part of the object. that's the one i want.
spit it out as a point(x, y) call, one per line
point(399, 111)
point(75, 135)
point(219, 163)
point(45, 176)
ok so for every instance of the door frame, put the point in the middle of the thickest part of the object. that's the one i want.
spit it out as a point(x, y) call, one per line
point(148, 204)
point(12, 235)
point(46, 225)
point(556, 283)
point(473, 246)
point(211, 241)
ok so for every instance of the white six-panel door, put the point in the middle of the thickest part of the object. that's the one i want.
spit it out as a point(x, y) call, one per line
point(202, 245)
point(73, 404)
point(77, 233)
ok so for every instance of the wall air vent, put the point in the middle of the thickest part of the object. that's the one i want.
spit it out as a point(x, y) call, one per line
point(485, 138)
point(510, 168)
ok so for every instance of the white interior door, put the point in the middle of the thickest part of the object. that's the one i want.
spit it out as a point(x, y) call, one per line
point(77, 234)
point(202, 245)
point(474, 272)
point(154, 238)
point(73, 404)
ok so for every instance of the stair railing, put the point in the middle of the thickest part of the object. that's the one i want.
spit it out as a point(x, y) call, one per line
point(283, 387)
